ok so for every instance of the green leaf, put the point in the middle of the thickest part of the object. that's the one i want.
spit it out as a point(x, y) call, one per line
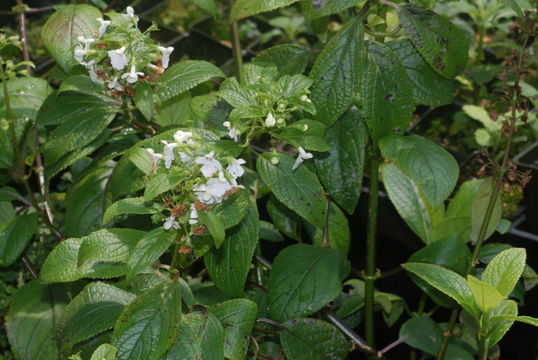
point(82, 84)
point(103, 254)
point(408, 201)
point(228, 266)
point(214, 225)
point(504, 271)
point(341, 168)
point(86, 201)
point(431, 167)
point(184, 76)
point(338, 231)
point(14, 237)
point(298, 189)
point(524, 319)
point(207, 5)
point(7, 156)
point(423, 333)
point(31, 320)
point(26, 95)
point(461, 205)
point(104, 352)
point(237, 318)
point(233, 210)
point(148, 326)
point(303, 279)
point(7, 212)
point(429, 88)
point(497, 327)
point(130, 206)
point(309, 139)
point(485, 296)
point(201, 336)
point(149, 249)
point(479, 208)
point(80, 119)
point(163, 182)
point(285, 220)
point(443, 45)
point(94, 310)
point(60, 32)
point(269, 232)
point(289, 59)
point(144, 100)
point(315, 9)
point(336, 72)
point(385, 92)
point(446, 281)
point(245, 8)
point(312, 339)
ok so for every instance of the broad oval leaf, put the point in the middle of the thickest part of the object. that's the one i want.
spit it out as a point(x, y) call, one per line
point(285, 220)
point(130, 206)
point(290, 59)
point(430, 166)
point(336, 72)
point(338, 230)
point(312, 339)
point(149, 249)
point(60, 32)
point(341, 168)
point(479, 208)
point(385, 92)
point(504, 271)
point(429, 88)
point(497, 328)
point(184, 76)
point(317, 8)
point(31, 320)
point(244, 8)
point(201, 336)
point(486, 297)
point(298, 189)
point(148, 326)
point(448, 282)
point(14, 237)
point(94, 310)
point(303, 279)
point(105, 352)
point(26, 95)
point(228, 266)
point(443, 45)
point(237, 318)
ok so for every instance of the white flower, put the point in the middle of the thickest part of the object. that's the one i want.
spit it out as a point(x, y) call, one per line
point(91, 71)
point(227, 125)
point(182, 136)
point(155, 157)
point(235, 169)
point(305, 99)
point(86, 41)
point(234, 134)
point(170, 223)
point(275, 160)
point(202, 195)
point(214, 190)
point(209, 164)
point(132, 76)
point(81, 51)
point(130, 14)
point(303, 155)
point(168, 153)
point(103, 25)
point(193, 217)
point(184, 157)
point(118, 58)
point(114, 84)
point(305, 127)
point(166, 51)
point(270, 121)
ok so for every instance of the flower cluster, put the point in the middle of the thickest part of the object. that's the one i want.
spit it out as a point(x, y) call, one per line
point(207, 179)
point(120, 54)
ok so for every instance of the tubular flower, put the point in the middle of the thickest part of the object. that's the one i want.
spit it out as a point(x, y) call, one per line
point(170, 223)
point(209, 164)
point(168, 153)
point(103, 24)
point(303, 155)
point(166, 51)
point(132, 76)
point(118, 59)
point(270, 121)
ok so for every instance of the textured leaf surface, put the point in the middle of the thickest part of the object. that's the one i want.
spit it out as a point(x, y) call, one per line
point(229, 265)
point(244, 8)
point(443, 45)
point(447, 282)
point(103, 254)
point(285, 220)
point(336, 72)
point(339, 232)
point(130, 206)
point(201, 336)
point(497, 328)
point(184, 76)
point(298, 189)
point(486, 297)
point(385, 92)
point(30, 322)
point(312, 339)
point(94, 310)
point(504, 271)
point(14, 236)
point(26, 95)
point(430, 167)
point(290, 59)
point(148, 326)
point(237, 318)
point(104, 352)
point(317, 8)
point(303, 279)
point(60, 32)
point(214, 225)
point(429, 88)
point(479, 208)
point(341, 168)
point(149, 249)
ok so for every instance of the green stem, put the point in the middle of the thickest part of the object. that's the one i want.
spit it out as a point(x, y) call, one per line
point(237, 52)
point(370, 273)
